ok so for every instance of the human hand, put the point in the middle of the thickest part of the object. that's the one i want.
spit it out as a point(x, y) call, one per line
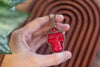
point(25, 41)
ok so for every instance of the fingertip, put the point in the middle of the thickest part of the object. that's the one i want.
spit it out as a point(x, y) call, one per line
point(64, 27)
point(68, 54)
point(63, 56)
point(59, 18)
point(68, 26)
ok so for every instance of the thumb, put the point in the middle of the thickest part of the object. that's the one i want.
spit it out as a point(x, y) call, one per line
point(55, 59)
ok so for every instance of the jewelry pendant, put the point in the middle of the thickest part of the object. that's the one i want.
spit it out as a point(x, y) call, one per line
point(55, 37)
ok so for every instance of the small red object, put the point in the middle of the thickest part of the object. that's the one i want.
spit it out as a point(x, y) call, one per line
point(56, 39)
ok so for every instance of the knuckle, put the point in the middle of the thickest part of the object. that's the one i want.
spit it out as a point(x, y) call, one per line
point(37, 19)
point(16, 32)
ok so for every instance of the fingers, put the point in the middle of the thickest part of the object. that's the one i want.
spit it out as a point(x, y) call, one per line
point(40, 42)
point(35, 44)
point(37, 23)
point(44, 30)
point(64, 27)
point(32, 43)
point(55, 59)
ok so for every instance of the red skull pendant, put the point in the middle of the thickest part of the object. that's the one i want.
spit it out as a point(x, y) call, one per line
point(55, 38)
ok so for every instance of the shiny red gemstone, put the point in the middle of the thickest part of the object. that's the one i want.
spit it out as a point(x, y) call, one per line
point(55, 39)
point(54, 29)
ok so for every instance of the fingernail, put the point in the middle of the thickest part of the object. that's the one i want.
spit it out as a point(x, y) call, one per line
point(62, 57)
point(60, 17)
point(67, 54)
point(68, 26)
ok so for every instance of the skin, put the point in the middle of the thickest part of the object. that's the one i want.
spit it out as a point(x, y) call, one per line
point(25, 41)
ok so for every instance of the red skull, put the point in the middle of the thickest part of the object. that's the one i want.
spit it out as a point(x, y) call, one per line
point(55, 39)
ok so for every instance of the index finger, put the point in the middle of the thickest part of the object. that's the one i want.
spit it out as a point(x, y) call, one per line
point(38, 22)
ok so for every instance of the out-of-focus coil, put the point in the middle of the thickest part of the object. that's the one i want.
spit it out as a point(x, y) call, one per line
point(84, 36)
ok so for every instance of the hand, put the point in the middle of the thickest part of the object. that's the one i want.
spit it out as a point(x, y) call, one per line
point(25, 41)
